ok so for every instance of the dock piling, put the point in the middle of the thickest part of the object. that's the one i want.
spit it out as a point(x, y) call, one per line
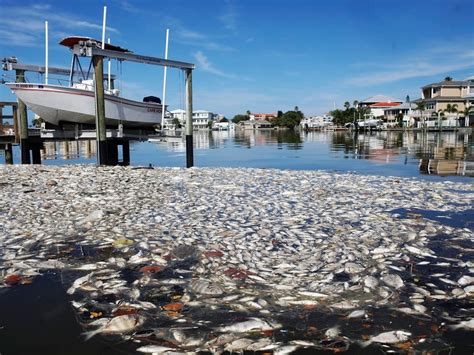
point(8, 154)
point(24, 144)
point(102, 151)
point(189, 118)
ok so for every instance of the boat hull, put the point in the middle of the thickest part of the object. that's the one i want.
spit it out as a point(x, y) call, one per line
point(56, 104)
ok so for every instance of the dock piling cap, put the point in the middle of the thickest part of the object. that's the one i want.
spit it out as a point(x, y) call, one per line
point(73, 40)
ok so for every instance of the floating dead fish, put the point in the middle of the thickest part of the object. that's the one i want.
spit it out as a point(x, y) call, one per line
point(206, 288)
point(249, 325)
point(117, 325)
point(393, 280)
point(392, 337)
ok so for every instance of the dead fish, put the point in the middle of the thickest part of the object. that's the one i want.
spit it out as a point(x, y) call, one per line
point(249, 325)
point(205, 287)
point(155, 349)
point(119, 324)
point(239, 344)
point(332, 332)
point(466, 324)
point(392, 337)
point(466, 280)
point(356, 314)
point(78, 282)
point(393, 280)
point(287, 349)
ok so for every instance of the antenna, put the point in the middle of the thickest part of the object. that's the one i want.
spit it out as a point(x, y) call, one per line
point(103, 27)
point(46, 71)
point(108, 72)
point(164, 81)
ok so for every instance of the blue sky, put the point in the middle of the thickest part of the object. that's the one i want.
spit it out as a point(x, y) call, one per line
point(260, 55)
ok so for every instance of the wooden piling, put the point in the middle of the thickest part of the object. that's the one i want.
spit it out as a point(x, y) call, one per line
point(189, 118)
point(24, 144)
point(36, 152)
point(126, 153)
point(15, 123)
point(8, 154)
point(98, 63)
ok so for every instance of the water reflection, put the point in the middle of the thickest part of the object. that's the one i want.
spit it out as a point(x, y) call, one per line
point(382, 153)
point(69, 150)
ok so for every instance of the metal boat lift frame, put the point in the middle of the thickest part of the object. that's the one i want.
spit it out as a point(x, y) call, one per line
point(93, 49)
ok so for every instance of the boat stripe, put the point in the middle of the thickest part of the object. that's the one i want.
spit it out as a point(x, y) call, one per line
point(123, 101)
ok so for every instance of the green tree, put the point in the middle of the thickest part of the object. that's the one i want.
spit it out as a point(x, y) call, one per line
point(448, 78)
point(289, 119)
point(421, 106)
point(239, 118)
point(37, 121)
point(355, 103)
point(451, 108)
point(176, 122)
point(347, 105)
point(279, 113)
point(248, 113)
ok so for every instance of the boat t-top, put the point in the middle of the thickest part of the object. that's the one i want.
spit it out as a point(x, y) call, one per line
point(75, 103)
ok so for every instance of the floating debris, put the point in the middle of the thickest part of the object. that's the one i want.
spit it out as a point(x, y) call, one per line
point(270, 261)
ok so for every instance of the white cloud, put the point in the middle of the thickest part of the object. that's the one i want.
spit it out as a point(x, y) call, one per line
point(24, 25)
point(229, 17)
point(204, 64)
point(437, 60)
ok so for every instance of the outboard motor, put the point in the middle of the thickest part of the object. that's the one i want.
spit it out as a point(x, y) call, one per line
point(154, 99)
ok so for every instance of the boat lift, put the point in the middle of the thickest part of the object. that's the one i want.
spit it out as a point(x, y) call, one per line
point(10, 64)
point(93, 48)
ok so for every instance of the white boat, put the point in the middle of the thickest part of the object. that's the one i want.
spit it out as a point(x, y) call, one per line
point(75, 103)
point(372, 122)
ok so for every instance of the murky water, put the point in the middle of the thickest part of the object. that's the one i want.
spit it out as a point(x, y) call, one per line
point(431, 155)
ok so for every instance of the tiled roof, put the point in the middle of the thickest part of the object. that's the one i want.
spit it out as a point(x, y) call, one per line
point(380, 98)
point(447, 84)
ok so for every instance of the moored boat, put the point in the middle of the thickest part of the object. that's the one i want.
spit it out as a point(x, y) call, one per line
point(75, 103)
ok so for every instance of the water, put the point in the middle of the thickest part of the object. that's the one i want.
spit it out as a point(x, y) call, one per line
point(432, 155)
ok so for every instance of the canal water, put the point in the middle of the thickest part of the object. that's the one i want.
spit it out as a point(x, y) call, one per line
point(432, 155)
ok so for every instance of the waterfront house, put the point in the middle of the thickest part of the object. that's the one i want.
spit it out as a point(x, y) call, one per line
point(317, 122)
point(406, 110)
point(437, 97)
point(378, 103)
point(262, 116)
point(201, 118)
point(255, 124)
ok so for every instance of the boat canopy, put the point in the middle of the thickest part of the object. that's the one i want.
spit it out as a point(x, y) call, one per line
point(72, 41)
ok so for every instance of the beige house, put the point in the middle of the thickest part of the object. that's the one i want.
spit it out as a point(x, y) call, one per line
point(437, 96)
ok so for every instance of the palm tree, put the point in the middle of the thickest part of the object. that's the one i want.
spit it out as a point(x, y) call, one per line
point(347, 105)
point(355, 103)
point(451, 108)
point(448, 78)
point(466, 113)
point(421, 106)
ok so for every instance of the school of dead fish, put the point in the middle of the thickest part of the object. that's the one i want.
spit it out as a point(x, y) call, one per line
point(155, 252)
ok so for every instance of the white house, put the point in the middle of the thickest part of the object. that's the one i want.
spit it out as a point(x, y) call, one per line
point(201, 118)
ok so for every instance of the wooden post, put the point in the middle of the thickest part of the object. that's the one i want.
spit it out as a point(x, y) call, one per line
point(25, 149)
point(126, 153)
point(36, 152)
point(1, 120)
point(8, 154)
point(15, 123)
point(189, 118)
point(98, 63)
